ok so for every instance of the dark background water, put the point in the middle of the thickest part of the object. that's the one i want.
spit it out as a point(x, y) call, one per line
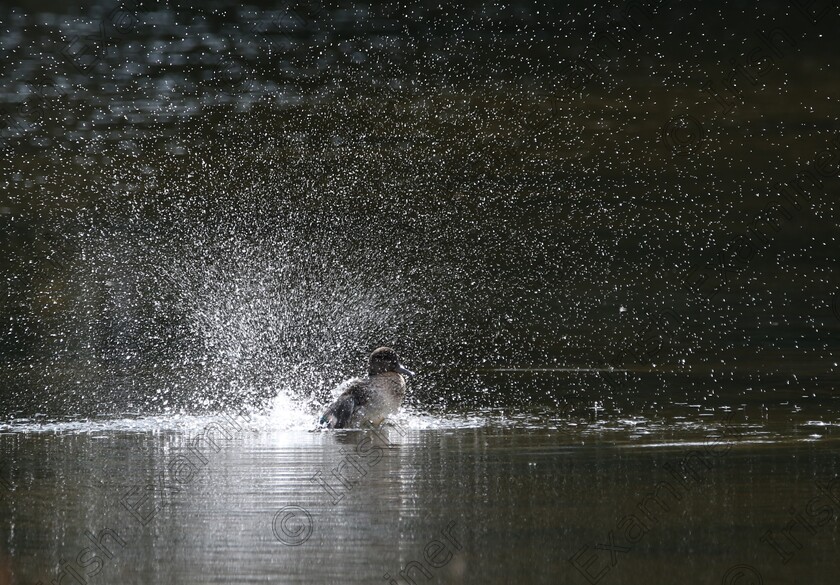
point(480, 186)
point(604, 234)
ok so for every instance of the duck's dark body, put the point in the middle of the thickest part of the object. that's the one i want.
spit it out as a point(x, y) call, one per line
point(371, 399)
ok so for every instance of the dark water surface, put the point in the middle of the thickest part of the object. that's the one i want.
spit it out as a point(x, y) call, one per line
point(610, 254)
point(227, 198)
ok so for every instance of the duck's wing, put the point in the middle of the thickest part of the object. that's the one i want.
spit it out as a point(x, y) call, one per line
point(338, 415)
point(339, 412)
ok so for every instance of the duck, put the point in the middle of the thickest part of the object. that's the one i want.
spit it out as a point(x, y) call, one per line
point(369, 400)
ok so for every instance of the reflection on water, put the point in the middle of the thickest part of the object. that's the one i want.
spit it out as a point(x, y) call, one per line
point(443, 499)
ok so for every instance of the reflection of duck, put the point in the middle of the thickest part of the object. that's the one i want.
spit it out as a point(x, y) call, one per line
point(370, 399)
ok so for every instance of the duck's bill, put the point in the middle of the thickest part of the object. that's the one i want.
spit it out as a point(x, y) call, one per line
point(404, 371)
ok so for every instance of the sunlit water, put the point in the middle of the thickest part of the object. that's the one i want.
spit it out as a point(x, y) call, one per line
point(480, 497)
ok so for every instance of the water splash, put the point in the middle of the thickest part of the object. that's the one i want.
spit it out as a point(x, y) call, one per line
point(211, 325)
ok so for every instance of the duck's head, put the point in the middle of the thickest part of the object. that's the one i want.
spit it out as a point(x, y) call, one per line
point(384, 360)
